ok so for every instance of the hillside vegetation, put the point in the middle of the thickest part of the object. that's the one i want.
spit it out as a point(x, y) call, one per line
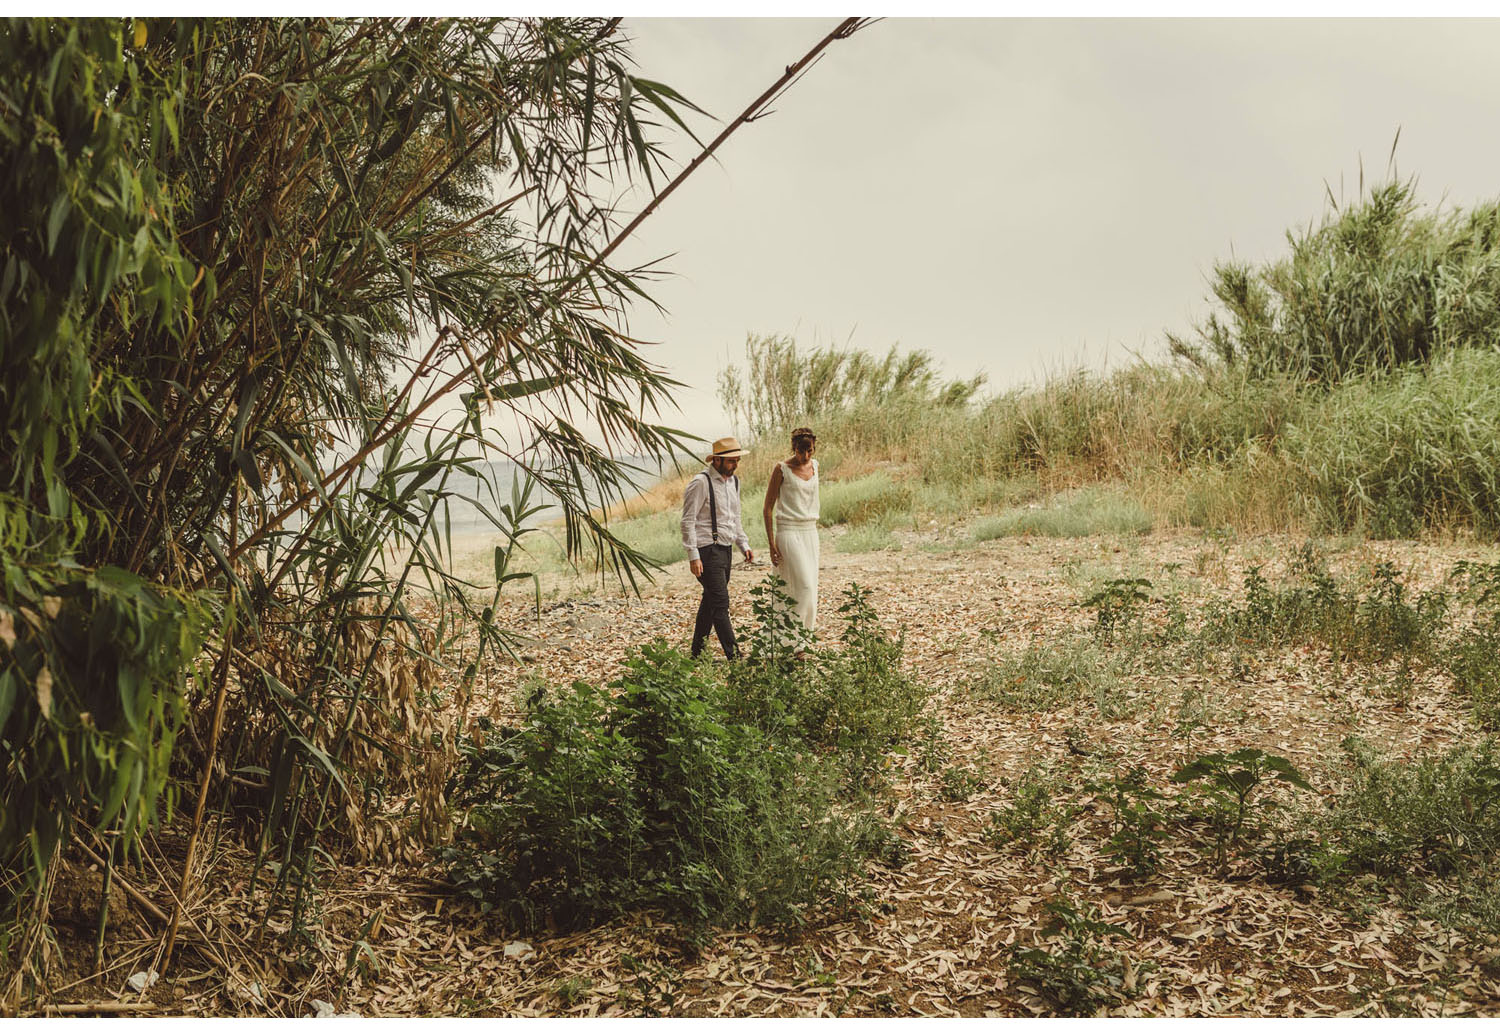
point(1346, 387)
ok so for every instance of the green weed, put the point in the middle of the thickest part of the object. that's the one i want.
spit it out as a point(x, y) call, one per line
point(1231, 785)
point(1137, 826)
point(1075, 967)
point(1428, 827)
point(1046, 676)
point(1034, 816)
point(1081, 513)
point(1117, 604)
point(863, 501)
point(960, 783)
point(866, 539)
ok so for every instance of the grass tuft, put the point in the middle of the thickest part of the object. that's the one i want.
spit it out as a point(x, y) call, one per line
point(1078, 513)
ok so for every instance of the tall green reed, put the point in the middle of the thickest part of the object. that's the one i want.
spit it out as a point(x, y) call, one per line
point(248, 265)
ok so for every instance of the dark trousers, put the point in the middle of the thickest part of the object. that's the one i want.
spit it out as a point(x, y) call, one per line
point(713, 609)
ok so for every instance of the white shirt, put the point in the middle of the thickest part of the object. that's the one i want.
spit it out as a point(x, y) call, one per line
point(798, 498)
point(697, 523)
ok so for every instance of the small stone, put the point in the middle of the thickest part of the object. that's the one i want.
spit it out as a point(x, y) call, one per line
point(142, 979)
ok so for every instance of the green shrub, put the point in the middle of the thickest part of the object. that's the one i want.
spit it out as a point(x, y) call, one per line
point(960, 782)
point(1427, 828)
point(710, 797)
point(1117, 604)
point(1472, 655)
point(1232, 786)
point(1377, 285)
point(1386, 622)
point(652, 797)
point(1393, 455)
point(1435, 815)
point(1473, 661)
point(1137, 825)
point(855, 702)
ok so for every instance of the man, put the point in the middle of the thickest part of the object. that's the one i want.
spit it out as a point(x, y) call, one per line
point(710, 524)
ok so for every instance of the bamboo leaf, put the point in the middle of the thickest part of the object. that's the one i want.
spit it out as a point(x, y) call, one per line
point(55, 217)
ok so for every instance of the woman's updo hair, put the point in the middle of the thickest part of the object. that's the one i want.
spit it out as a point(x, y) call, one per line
point(803, 438)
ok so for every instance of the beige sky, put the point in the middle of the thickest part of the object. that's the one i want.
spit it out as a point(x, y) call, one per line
point(1021, 196)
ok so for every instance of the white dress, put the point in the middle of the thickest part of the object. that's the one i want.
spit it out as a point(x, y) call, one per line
point(796, 516)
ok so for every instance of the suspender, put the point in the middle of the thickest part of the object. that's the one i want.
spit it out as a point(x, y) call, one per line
point(713, 506)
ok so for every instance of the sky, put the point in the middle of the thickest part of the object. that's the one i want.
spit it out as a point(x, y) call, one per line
point(1021, 197)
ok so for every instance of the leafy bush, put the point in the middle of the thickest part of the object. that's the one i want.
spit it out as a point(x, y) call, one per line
point(1386, 622)
point(652, 797)
point(1395, 454)
point(1377, 285)
point(1437, 815)
point(1472, 655)
point(1473, 661)
point(1427, 827)
point(710, 797)
point(960, 782)
point(855, 702)
point(1116, 604)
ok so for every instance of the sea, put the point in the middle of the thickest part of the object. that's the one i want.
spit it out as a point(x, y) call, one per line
point(496, 478)
point(466, 519)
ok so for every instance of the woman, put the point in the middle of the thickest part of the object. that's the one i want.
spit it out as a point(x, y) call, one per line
point(792, 498)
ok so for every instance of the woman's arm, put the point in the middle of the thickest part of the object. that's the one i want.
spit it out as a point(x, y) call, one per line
point(773, 492)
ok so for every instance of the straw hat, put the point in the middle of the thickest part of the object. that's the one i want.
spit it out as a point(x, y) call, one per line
point(724, 448)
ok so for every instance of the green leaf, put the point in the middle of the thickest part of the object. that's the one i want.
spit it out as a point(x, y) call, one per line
point(320, 756)
point(124, 775)
point(8, 694)
point(169, 114)
point(55, 217)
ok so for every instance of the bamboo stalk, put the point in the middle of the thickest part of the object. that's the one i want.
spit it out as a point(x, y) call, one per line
point(109, 873)
point(208, 768)
point(113, 1006)
point(208, 762)
point(845, 29)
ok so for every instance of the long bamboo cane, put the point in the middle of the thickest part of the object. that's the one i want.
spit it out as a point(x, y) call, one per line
point(222, 678)
point(846, 28)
